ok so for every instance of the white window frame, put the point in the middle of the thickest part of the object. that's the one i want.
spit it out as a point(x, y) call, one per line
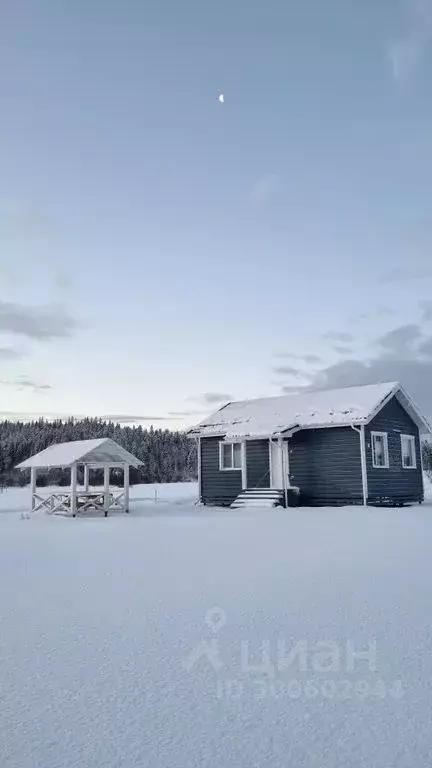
point(221, 448)
point(386, 450)
point(411, 439)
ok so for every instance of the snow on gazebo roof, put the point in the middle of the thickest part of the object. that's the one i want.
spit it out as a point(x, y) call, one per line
point(269, 416)
point(102, 451)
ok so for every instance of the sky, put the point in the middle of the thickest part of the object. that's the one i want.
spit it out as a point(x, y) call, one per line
point(162, 252)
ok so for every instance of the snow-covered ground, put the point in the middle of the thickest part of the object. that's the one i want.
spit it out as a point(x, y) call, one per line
point(178, 637)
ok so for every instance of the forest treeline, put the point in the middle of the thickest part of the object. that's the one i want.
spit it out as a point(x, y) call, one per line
point(168, 457)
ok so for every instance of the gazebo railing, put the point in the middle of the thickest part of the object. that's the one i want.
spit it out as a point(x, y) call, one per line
point(86, 501)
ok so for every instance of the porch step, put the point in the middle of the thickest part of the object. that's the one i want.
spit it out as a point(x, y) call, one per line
point(258, 497)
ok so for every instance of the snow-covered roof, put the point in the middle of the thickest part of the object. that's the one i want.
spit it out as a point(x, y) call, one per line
point(329, 408)
point(101, 451)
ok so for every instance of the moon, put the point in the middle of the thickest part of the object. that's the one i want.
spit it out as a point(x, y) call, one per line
point(221, 98)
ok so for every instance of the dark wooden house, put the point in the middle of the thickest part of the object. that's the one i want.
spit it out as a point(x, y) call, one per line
point(359, 445)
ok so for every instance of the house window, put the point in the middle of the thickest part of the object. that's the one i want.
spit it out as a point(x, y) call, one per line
point(380, 454)
point(409, 458)
point(230, 456)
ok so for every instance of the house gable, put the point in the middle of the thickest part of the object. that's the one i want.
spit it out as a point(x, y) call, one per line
point(395, 483)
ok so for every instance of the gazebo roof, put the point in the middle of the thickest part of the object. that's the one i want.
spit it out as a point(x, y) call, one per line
point(103, 451)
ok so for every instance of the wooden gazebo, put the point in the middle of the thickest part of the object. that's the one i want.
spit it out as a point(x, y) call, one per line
point(103, 453)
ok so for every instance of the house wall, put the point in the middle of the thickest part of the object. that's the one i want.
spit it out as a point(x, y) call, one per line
point(326, 465)
point(395, 484)
point(220, 488)
point(217, 488)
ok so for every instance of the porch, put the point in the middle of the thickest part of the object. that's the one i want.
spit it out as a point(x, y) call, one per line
point(272, 487)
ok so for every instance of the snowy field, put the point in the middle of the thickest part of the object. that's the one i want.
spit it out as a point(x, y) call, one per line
point(177, 637)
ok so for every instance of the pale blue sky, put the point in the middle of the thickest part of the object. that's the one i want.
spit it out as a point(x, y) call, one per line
point(172, 246)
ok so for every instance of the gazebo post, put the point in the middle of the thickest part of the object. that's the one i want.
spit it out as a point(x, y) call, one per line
point(33, 475)
point(126, 487)
point(73, 491)
point(106, 488)
point(86, 477)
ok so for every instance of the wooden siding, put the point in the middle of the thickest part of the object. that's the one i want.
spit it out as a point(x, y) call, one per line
point(258, 464)
point(218, 488)
point(326, 465)
point(396, 484)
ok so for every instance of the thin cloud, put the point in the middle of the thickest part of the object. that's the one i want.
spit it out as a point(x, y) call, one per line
point(359, 317)
point(402, 341)
point(211, 398)
point(263, 190)
point(27, 220)
point(23, 382)
point(342, 349)
point(309, 359)
point(36, 322)
point(426, 308)
point(63, 282)
point(404, 56)
point(406, 53)
point(122, 418)
point(425, 348)
point(408, 272)
point(33, 416)
point(338, 336)
point(118, 418)
point(6, 353)
point(288, 370)
point(380, 312)
point(289, 389)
